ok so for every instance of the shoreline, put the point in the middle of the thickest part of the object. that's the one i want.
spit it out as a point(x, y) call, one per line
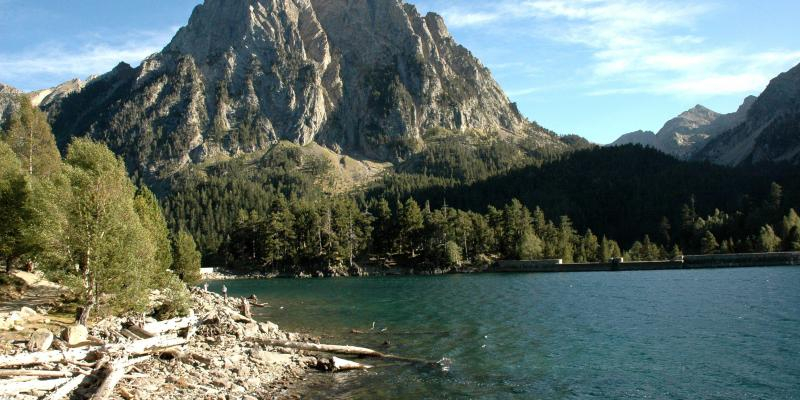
point(214, 353)
point(714, 261)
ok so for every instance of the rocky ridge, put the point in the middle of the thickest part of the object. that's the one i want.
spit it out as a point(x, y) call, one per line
point(363, 77)
point(690, 131)
point(769, 133)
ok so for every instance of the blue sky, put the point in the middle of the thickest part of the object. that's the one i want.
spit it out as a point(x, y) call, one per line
point(598, 68)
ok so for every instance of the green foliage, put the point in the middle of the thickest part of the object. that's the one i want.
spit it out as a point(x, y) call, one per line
point(30, 137)
point(767, 239)
point(152, 218)
point(709, 244)
point(104, 252)
point(15, 207)
point(187, 258)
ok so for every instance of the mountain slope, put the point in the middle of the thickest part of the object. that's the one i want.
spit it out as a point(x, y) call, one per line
point(46, 98)
point(363, 77)
point(771, 131)
point(687, 133)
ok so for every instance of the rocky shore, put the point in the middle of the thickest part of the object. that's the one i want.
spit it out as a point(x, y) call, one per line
point(214, 353)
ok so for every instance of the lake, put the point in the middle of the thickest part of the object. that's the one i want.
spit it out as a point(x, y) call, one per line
point(685, 334)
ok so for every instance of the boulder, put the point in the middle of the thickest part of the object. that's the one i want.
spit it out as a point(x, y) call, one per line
point(40, 340)
point(251, 330)
point(27, 312)
point(75, 334)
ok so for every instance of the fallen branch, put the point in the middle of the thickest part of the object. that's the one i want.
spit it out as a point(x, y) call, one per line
point(157, 328)
point(14, 388)
point(325, 348)
point(336, 349)
point(116, 371)
point(139, 347)
point(36, 373)
point(339, 365)
point(44, 357)
point(65, 390)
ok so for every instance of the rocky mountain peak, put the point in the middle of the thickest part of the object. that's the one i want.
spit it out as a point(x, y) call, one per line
point(366, 77)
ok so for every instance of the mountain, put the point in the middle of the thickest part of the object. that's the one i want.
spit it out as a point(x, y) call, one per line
point(644, 138)
point(46, 98)
point(362, 77)
point(687, 133)
point(771, 131)
point(8, 101)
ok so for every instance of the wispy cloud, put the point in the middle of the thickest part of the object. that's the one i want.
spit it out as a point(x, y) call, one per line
point(636, 46)
point(56, 61)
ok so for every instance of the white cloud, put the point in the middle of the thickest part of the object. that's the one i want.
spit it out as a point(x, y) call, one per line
point(637, 46)
point(53, 62)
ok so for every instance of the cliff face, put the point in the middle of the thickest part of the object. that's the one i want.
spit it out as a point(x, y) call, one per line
point(366, 77)
point(771, 131)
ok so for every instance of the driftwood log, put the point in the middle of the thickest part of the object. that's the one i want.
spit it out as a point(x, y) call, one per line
point(116, 371)
point(64, 391)
point(12, 388)
point(35, 373)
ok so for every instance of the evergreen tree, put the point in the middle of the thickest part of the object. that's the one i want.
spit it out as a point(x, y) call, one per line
point(529, 246)
point(383, 226)
point(768, 241)
point(410, 222)
point(187, 258)
point(30, 137)
point(152, 219)
point(793, 239)
point(709, 244)
point(15, 211)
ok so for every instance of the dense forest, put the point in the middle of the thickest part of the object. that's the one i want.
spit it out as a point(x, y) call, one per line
point(271, 214)
point(458, 202)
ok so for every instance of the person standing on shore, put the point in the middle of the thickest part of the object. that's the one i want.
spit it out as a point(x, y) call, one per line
point(225, 292)
point(205, 286)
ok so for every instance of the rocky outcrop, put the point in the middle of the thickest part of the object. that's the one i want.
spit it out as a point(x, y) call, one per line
point(46, 98)
point(770, 132)
point(689, 132)
point(365, 77)
point(9, 101)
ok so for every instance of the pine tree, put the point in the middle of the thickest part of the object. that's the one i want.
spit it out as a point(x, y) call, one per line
point(152, 218)
point(529, 246)
point(410, 224)
point(709, 244)
point(793, 239)
point(768, 241)
point(187, 258)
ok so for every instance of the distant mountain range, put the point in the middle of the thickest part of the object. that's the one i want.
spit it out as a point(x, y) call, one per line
point(763, 129)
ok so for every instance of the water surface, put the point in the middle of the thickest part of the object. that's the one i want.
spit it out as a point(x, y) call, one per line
point(685, 334)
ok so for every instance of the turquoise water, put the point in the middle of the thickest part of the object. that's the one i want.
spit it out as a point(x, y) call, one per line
point(698, 334)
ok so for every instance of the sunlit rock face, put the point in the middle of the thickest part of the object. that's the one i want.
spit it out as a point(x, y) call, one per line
point(365, 77)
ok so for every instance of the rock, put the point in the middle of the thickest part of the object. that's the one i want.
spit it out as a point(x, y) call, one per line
point(75, 334)
point(27, 312)
point(269, 328)
point(251, 330)
point(41, 340)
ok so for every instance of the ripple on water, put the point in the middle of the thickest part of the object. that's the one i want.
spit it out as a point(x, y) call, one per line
point(697, 334)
